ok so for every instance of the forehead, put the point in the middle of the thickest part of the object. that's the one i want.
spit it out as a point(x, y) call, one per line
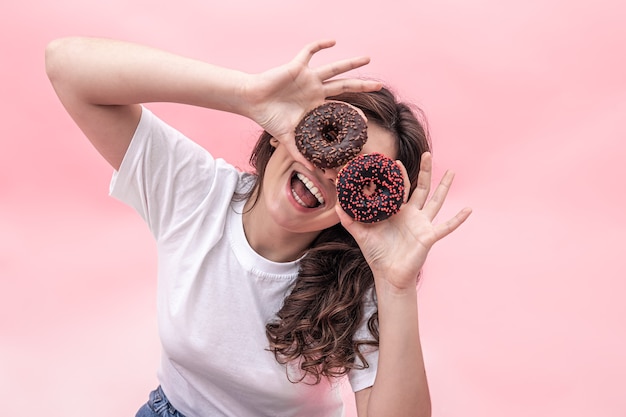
point(380, 140)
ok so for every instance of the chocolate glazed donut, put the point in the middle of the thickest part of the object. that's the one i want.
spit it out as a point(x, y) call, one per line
point(331, 134)
point(370, 188)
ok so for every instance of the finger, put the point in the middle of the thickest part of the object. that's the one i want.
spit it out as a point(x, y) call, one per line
point(328, 71)
point(344, 218)
point(432, 207)
point(297, 155)
point(407, 181)
point(312, 48)
point(444, 229)
point(350, 85)
point(289, 142)
point(424, 178)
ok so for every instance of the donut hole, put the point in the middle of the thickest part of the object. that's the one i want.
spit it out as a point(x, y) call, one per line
point(331, 134)
point(369, 189)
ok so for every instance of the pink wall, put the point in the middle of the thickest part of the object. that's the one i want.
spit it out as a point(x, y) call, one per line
point(522, 309)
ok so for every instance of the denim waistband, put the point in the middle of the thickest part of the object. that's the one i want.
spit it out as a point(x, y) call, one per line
point(161, 406)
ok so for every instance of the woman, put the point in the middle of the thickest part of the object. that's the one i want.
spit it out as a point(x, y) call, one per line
point(265, 295)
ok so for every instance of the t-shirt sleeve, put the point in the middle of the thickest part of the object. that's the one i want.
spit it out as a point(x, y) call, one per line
point(166, 177)
point(364, 378)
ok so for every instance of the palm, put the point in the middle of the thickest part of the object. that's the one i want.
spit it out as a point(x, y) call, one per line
point(399, 245)
point(285, 93)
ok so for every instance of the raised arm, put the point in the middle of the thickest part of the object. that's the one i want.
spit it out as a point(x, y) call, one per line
point(396, 250)
point(101, 83)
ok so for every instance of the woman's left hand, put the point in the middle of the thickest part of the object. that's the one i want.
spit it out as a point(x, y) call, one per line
point(396, 248)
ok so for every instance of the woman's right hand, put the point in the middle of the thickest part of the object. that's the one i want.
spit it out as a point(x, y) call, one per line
point(279, 98)
point(102, 81)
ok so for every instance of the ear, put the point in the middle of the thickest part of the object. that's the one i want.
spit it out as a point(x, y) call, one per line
point(274, 142)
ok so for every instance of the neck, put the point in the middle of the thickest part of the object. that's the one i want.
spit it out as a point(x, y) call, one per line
point(269, 239)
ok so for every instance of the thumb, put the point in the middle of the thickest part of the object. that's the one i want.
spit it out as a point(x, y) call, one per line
point(344, 218)
point(289, 142)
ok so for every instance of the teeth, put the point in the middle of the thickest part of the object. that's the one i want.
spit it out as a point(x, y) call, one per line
point(312, 188)
point(293, 193)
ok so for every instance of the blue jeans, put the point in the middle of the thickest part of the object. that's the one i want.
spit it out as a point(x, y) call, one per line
point(158, 406)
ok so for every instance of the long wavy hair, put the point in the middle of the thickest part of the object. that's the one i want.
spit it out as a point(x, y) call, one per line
point(318, 321)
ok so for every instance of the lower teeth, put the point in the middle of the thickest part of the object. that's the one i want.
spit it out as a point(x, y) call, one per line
point(298, 199)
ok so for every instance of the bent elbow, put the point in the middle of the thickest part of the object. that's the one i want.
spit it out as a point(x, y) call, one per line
point(53, 58)
point(57, 56)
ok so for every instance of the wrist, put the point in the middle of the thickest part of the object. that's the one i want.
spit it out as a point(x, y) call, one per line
point(395, 287)
point(253, 97)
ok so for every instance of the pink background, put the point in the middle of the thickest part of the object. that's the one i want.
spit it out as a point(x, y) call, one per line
point(522, 309)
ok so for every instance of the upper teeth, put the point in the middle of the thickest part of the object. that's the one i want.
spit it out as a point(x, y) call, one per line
point(311, 187)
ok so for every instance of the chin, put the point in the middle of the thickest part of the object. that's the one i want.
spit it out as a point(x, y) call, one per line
point(312, 226)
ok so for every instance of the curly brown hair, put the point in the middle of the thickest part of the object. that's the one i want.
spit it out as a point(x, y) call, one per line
point(317, 324)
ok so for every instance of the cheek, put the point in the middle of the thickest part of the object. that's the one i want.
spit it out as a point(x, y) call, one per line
point(272, 172)
point(332, 218)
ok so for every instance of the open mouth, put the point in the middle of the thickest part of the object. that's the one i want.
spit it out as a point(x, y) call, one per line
point(305, 192)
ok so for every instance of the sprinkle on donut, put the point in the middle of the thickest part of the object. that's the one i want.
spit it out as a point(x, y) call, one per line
point(331, 134)
point(370, 188)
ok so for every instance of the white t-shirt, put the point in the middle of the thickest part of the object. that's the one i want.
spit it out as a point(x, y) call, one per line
point(215, 293)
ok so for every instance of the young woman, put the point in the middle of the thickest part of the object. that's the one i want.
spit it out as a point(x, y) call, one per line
point(267, 291)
